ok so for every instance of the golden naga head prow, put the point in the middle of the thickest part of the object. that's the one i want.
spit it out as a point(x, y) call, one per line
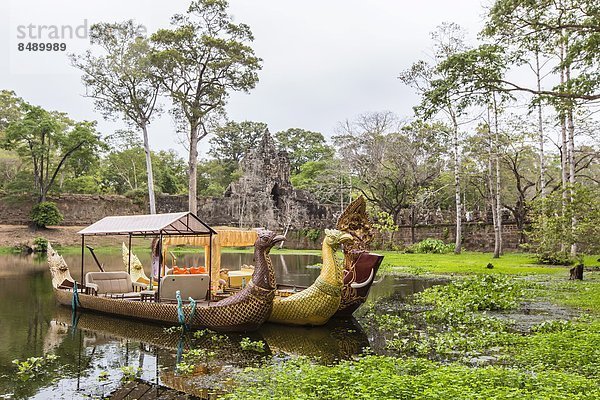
point(335, 238)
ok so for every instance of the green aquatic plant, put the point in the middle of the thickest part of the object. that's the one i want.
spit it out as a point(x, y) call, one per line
point(202, 333)
point(173, 329)
point(130, 373)
point(195, 356)
point(103, 376)
point(451, 322)
point(478, 293)
point(248, 345)
point(31, 366)
point(380, 377)
point(185, 368)
point(192, 358)
point(572, 347)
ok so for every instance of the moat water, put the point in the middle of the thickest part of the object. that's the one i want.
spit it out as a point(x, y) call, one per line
point(95, 352)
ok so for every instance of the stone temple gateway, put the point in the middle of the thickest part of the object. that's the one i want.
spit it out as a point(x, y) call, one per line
point(264, 196)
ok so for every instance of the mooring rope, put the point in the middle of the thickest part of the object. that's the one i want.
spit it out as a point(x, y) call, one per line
point(193, 312)
point(180, 314)
point(75, 298)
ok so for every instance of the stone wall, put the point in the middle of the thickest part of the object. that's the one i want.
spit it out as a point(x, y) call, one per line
point(477, 236)
point(81, 210)
point(77, 209)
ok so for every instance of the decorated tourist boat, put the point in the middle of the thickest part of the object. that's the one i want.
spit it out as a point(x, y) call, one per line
point(117, 294)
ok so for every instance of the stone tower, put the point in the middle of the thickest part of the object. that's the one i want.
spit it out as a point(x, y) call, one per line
point(264, 196)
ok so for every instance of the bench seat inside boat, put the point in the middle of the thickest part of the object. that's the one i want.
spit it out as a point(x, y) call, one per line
point(190, 285)
point(113, 284)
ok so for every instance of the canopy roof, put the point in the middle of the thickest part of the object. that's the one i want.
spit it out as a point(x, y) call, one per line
point(182, 223)
point(226, 237)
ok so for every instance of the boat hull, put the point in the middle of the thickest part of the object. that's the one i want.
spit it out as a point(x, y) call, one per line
point(250, 310)
point(312, 306)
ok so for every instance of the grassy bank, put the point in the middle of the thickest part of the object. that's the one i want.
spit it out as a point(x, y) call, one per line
point(469, 262)
point(461, 340)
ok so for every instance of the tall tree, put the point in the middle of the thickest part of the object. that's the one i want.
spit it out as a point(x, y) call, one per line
point(441, 94)
point(120, 82)
point(198, 62)
point(548, 21)
point(327, 180)
point(393, 165)
point(475, 71)
point(11, 108)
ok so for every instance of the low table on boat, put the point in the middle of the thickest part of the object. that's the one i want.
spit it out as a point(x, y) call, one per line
point(148, 295)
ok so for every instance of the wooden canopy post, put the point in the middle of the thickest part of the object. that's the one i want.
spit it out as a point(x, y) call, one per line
point(160, 266)
point(129, 260)
point(82, 256)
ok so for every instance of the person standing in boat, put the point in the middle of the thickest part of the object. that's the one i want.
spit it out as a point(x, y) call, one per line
point(155, 260)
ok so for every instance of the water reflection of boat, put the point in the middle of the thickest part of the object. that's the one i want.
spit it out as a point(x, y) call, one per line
point(116, 328)
point(337, 340)
point(115, 293)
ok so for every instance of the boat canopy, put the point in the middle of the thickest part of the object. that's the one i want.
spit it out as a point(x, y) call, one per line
point(181, 224)
point(226, 237)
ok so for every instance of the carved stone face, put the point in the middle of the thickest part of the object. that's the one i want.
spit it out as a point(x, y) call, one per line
point(336, 238)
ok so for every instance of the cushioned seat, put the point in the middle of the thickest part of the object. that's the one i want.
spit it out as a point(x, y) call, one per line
point(190, 285)
point(113, 284)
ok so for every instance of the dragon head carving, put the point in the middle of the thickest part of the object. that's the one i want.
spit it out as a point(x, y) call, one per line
point(267, 239)
point(335, 238)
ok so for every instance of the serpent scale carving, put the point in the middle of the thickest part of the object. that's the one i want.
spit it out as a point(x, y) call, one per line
point(317, 303)
point(250, 307)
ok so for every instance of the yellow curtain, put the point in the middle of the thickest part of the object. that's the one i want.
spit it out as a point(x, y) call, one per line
point(224, 238)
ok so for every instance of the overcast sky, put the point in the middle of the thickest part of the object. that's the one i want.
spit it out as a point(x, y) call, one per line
point(323, 61)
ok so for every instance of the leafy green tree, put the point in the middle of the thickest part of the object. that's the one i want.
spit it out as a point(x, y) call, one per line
point(170, 172)
point(394, 167)
point(474, 72)
point(120, 81)
point(123, 166)
point(550, 229)
point(233, 140)
point(48, 141)
point(85, 184)
point(546, 22)
point(567, 32)
point(327, 180)
point(214, 177)
point(11, 108)
point(303, 146)
point(197, 63)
